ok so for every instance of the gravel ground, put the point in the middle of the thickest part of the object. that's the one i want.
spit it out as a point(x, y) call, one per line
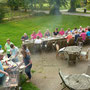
point(46, 68)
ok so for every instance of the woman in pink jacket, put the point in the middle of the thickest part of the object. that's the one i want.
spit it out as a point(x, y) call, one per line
point(33, 35)
point(61, 32)
point(39, 34)
point(83, 35)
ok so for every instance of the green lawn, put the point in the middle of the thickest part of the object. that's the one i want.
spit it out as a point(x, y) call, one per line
point(26, 86)
point(29, 86)
point(15, 29)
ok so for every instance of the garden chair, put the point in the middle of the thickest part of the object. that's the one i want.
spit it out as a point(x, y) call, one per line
point(63, 77)
point(84, 55)
point(88, 70)
point(59, 52)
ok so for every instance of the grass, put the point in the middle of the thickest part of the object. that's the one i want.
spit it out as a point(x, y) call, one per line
point(29, 86)
point(15, 29)
point(26, 86)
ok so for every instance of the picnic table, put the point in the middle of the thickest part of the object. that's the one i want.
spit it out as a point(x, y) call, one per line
point(78, 81)
point(72, 53)
point(31, 43)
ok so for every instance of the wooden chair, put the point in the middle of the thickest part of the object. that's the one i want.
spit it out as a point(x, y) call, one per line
point(87, 41)
point(71, 42)
point(49, 46)
point(79, 40)
point(38, 48)
point(65, 43)
point(84, 55)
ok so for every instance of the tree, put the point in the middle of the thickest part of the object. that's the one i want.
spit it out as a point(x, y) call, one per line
point(25, 4)
point(55, 6)
point(13, 4)
point(73, 4)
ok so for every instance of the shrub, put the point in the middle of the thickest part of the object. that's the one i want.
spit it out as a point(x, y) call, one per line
point(88, 7)
point(39, 14)
point(2, 12)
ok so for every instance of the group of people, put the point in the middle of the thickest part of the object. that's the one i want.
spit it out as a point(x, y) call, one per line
point(13, 52)
point(81, 32)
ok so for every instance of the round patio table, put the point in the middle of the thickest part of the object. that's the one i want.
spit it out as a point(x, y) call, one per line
point(78, 81)
point(72, 53)
point(73, 49)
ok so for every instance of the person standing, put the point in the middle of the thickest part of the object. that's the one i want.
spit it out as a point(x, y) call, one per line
point(14, 51)
point(28, 64)
point(2, 74)
point(26, 49)
point(7, 47)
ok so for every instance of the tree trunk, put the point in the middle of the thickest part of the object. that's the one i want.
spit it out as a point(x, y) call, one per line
point(73, 6)
point(55, 11)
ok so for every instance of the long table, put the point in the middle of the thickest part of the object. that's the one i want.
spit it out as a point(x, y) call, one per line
point(31, 43)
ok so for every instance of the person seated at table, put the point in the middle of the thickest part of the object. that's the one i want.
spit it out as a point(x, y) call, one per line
point(47, 33)
point(39, 34)
point(55, 33)
point(28, 64)
point(88, 33)
point(33, 35)
point(26, 49)
point(69, 30)
point(69, 36)
point(83, 35)
point(14, 53)
point(76, 36)
point(38, 40)
point(25, 37)
point(80, 29)
point(0, 47)
point(2, 74)
point(86, 29)
point(7, 47)
point(74, 31)
point(61, 32)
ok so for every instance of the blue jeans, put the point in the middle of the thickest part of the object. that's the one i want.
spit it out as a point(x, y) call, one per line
point(2, 80)
point(8, 55)
point(28, 71)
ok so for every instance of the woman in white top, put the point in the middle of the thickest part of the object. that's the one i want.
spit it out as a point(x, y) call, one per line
point(38, 40)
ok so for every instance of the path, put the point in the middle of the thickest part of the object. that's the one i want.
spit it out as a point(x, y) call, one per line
point(65, 12)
